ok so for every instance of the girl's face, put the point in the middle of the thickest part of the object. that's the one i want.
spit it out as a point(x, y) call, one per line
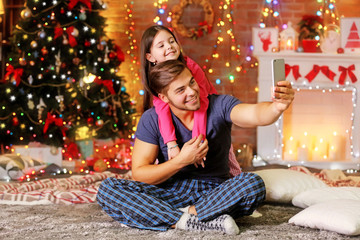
point(164, 47)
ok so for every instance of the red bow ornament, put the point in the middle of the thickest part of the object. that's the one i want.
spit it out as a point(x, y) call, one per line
point(107, 83)
point(18, 72)
point(73, 3)
point(347, 71)
point(324, 69)
point(119, 53)
point(295, 71)
point(71, 151)
point(53, 119)
point(59, 31)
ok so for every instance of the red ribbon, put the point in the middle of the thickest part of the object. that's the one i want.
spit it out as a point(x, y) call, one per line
point(295, 71)
point(347, 71)
point(324, 69)
point(107, 83)
point(59, 31)
point(73, 3)
point(18, 72)
point(71, 151)
point(53, 119)
point(120, 55)
point(203, 23)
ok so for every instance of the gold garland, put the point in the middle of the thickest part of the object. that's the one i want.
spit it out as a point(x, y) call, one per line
point(204, 27)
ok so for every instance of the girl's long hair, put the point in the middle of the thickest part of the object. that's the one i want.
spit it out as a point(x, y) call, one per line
point(146, 42)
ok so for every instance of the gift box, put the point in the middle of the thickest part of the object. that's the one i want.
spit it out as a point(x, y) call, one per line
point(86, 148)
point(44, 153)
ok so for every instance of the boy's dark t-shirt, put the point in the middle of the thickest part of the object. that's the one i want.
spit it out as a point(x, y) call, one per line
point(218, 134)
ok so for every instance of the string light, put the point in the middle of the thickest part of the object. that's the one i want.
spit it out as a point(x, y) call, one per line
point(161, 6)
point(226, 38)
point(270, 15)
point(304, 85)
point(133, 48)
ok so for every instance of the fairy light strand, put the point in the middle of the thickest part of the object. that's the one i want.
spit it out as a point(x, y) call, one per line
point(225, 36)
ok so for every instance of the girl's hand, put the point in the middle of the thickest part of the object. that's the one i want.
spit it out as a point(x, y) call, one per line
point(173, 149)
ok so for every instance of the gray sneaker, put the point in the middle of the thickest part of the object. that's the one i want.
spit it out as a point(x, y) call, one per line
point(224, 223)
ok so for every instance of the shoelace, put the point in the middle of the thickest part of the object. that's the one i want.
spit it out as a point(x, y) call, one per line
point(216, 224)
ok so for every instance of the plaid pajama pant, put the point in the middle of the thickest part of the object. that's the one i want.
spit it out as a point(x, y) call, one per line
point(145, 206)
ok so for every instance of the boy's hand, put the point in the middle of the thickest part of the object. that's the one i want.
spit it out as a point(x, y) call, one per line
point(283, 95)
point(194, 151)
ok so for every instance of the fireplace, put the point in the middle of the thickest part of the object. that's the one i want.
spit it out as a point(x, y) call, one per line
point(322, 127)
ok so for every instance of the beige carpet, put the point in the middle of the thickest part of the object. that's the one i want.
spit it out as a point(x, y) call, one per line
point(88, 221)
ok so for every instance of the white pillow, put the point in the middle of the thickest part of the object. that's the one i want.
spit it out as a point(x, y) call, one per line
point(341, 216)
point(314, 196)
point(283, 184)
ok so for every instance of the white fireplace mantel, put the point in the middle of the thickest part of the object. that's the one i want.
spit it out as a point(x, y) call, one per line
point(269, 138)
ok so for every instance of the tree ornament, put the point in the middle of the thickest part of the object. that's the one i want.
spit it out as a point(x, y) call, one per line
point(60, 100)
point(32, 63)
point(104, 104)
point(90, 121)
point(26, 13)
point(44, 51)
point(65, 41)
point(30, 79)
point(52, 16)
point(22, 61)
point(100, 47)
point(33, 44)
point(31, 104)
point(87, 43)
point(82, 16)
point(106, 58)
point(112, 55)
point(15, 121)
point(99, 122)
point(75, 32)
point(42, 34)
point(62, 11)
point(76, 61)
point(57, 62)
point(100, 166)
point(40, 76)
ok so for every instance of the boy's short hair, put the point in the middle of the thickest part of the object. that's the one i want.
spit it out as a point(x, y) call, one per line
point(163, 74)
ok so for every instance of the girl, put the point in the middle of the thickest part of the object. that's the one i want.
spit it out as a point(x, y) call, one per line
point(159, 44)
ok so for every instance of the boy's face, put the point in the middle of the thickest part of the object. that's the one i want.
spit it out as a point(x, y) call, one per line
point(183, 92)
point(164, 47)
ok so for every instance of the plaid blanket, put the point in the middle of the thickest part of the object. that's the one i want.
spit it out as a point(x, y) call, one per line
point(332, 177)
point(83, 188)
point(72, 190)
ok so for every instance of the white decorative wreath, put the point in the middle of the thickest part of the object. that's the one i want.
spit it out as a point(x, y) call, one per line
point(204, 26)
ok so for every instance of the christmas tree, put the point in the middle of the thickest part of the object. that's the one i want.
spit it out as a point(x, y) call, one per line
point(62, 77)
